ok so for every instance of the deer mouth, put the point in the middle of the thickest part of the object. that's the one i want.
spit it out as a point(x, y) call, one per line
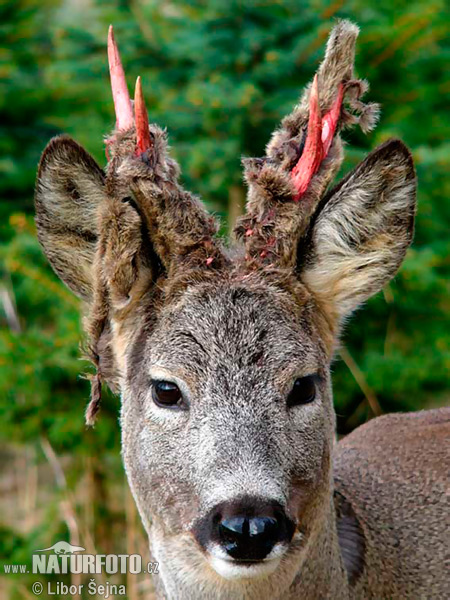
point(232, 568)
point(235, 569)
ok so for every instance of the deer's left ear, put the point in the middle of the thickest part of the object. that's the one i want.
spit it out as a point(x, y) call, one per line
point(361, 230)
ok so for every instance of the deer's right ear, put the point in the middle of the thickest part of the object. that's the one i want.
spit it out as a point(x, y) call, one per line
point(69, 189)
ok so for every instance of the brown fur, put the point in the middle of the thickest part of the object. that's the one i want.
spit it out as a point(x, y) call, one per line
point(234, 330)
point(390, 470)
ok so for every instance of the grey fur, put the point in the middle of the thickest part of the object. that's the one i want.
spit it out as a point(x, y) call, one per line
point(234, 331)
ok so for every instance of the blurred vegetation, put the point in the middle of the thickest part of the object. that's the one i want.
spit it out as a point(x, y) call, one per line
point(220, 75)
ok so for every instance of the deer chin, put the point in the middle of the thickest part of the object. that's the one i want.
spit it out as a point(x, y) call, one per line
point(233, 569)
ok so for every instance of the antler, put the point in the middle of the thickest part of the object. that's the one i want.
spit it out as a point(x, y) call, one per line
point(188, 231)
point(122, 103)
point(143, 140)
point(310, 160)
point(319, 139)
point(303, 155)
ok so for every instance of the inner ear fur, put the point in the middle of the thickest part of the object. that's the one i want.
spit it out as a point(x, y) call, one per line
point(361, 230)
point(69, 189)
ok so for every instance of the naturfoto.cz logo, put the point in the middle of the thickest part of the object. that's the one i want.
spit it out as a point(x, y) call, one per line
point(66, 558)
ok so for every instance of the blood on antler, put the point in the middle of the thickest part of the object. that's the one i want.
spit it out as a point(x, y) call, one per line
point(318, 141)
point(122, 103)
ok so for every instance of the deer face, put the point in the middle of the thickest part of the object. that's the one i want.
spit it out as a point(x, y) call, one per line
point(222, 360)
point(228, 422)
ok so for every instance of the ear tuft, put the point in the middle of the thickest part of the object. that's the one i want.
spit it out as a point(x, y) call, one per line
point(361, 230)
point(69, 189)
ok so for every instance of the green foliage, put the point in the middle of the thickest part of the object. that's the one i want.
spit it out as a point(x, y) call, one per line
point(220, 75)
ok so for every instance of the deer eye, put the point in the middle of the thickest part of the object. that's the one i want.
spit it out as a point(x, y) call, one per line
point(303, 391)
point(166, 394)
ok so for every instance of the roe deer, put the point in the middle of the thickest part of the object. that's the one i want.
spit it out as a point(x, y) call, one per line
point(222, 357)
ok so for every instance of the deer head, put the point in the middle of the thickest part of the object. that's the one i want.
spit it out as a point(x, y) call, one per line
point(222, 357)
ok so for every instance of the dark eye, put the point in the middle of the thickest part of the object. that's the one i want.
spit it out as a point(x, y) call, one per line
point(303, 391)
point(166, 394)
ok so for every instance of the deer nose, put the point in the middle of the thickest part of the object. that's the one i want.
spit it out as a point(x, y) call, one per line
point(249, 529)
point(248, 538)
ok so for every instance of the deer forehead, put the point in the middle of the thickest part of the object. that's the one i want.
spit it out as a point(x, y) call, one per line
point(230, 332)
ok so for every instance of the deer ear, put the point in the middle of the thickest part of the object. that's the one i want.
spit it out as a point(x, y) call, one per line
point(361, 230)
point(69, 189)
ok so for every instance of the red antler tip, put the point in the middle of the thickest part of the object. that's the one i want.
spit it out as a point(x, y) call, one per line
point(143, 140)
point(121, 97)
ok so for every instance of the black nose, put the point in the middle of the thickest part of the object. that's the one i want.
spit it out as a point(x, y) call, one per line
point(248, 538)
point(247, 529)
